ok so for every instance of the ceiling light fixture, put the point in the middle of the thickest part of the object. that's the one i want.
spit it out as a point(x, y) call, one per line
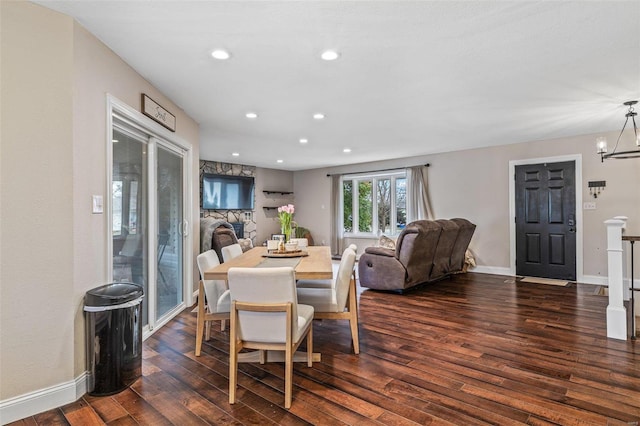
point(304, 140)
point(318, 116)
point(251, 115)
point(279, 161)
point(330, 55)
point(220, 54)
point(346, 150)
point(235, 154)
point(601, 142)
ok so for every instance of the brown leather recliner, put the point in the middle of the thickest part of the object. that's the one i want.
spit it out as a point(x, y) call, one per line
point(222, 237)
point(426, 251)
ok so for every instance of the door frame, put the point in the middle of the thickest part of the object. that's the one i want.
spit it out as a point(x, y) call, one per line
point(115, 107)
point(577, 158)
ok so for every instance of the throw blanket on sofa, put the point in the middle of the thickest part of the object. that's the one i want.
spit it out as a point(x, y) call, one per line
point(207, 226)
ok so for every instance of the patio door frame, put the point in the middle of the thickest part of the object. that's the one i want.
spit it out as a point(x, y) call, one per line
point(158, 136)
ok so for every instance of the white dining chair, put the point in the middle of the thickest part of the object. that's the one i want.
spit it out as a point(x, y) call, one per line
point(214, 301)
point(335, 299)
point(231, 251)
point(266, 316)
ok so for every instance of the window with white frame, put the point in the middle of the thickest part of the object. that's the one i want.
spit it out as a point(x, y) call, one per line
point(374, 204)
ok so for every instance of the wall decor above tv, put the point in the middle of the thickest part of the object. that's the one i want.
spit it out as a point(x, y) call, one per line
point(225, 192)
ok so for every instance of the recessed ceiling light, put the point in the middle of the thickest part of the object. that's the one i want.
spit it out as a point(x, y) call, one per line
point(235, 154)
point(115, 140)
point(251, 115)
point(279, 161)
point(304, 140)
point(221, 54)
point(318, 116)
point(330, 55)
point(346, 150)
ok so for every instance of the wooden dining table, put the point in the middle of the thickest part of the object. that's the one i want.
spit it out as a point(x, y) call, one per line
point(316, 265)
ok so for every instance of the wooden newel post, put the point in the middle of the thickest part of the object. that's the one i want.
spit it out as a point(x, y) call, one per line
point(616, 312)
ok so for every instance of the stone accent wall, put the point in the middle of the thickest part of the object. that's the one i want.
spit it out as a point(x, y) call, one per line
point(246, 216)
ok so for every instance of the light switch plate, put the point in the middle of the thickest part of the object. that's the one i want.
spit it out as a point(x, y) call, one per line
point(591, 205)
point(97, 205)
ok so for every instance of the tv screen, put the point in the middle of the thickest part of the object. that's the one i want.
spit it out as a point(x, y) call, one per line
point(222, 192)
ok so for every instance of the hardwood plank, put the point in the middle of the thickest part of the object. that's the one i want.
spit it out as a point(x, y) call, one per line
point(472, 350)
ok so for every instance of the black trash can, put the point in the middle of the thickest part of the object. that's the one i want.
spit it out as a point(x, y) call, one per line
point(114, 336)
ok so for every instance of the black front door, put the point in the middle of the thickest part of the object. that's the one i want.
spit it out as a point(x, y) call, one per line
point(546, 220)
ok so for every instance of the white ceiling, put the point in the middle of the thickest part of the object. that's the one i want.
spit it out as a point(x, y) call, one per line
point(414, 77)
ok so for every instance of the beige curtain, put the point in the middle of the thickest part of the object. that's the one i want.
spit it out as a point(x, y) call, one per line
point(418, 201)
point(336, 229)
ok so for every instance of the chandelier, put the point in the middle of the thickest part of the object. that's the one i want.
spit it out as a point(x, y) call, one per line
point(601, 142)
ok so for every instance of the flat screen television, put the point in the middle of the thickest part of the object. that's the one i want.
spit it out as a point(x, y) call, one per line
point(223, 192)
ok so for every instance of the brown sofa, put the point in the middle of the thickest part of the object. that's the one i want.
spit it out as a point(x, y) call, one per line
point(426, 251)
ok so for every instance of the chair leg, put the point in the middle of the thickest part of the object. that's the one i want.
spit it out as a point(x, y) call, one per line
point(353, 322)
point(353, 311)
point(223, 325)
point(288, 377)
point(310, 346)
point(200, 321)
point(207, 330)
point(233, 358)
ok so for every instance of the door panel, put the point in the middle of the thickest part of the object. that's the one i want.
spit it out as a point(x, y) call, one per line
point(170, 220)
point(545, 220)
point(129, 211)
point(148, 219)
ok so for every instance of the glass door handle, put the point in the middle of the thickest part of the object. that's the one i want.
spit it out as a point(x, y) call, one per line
point(183, 228)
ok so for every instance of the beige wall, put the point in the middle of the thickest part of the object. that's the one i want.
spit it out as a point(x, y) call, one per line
point(267, 220)
point(55, 78)
point(36, 188)
point(474, 184)
point(98, 71)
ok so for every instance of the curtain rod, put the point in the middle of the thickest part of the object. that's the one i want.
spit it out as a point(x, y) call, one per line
point(373, 171)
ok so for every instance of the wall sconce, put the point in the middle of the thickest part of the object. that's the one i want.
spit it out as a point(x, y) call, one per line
point(596, 186)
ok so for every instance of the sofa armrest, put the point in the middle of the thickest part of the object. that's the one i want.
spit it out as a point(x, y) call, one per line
point(381, 271)
point(381, 251)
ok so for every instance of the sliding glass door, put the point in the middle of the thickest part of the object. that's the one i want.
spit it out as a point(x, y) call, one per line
point(170, 230)
point(147, 220)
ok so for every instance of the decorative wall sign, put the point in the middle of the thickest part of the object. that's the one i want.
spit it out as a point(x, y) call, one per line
point(153, 110)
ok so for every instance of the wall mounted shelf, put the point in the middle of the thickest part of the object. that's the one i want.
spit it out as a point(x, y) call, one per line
point(278, 192)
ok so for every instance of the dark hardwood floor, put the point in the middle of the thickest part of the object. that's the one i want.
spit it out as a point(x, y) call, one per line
point(476, 349)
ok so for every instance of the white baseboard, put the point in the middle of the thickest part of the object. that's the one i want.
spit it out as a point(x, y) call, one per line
point(585, 279)
point(32, 403)
point(496, 270)
point(594, 279)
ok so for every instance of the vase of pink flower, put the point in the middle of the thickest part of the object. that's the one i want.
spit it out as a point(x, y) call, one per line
point(285, 216)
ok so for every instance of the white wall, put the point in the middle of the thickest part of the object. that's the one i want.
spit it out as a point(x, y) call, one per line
point(474, 184)
point(55, 79)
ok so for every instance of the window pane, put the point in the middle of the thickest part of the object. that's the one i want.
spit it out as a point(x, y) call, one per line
point(384, 205)
point(365, 206)
point(401, 204)
point(347, 207)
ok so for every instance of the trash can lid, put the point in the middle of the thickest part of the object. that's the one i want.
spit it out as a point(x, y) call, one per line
point(113, 294)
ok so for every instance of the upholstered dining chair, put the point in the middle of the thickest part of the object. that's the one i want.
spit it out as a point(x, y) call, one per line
point(265, 315)
point(214, 301)
point(231, 251)
point(335, 299)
